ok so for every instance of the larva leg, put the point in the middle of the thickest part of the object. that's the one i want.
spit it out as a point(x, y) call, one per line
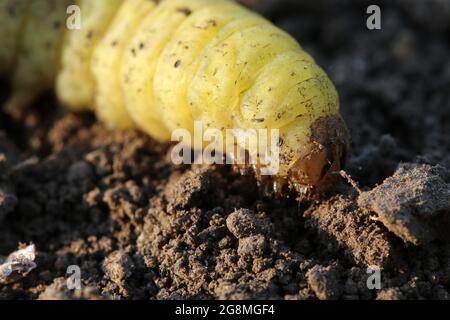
point(180, 59)
point(229, 68)
point(13, 15)
point(141, 59)
point(75, 85)
point(39, 52)
point(107, 59)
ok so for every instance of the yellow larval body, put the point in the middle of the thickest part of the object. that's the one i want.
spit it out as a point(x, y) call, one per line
point(161, 65)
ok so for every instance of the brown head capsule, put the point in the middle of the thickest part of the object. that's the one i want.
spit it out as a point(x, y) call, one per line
point(315, 170)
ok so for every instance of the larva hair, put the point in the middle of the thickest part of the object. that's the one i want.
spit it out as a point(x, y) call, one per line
point(161, 65)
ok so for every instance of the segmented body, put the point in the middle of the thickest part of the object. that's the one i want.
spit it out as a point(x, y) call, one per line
point(161, 65)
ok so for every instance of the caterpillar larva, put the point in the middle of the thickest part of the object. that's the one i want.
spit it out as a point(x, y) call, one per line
point(161, 65)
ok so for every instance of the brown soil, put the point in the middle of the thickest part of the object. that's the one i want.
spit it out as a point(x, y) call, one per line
point(141, 228)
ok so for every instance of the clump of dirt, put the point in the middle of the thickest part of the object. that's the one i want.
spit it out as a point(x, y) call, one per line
point(140, 227)
point(419, 213)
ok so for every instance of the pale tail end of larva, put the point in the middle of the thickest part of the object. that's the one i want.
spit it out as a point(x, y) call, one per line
point(164, 65)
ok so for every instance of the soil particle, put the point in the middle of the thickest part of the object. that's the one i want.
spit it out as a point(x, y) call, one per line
point(341, 224)
point(118, 266)
point(324, 282)
point(244, 222)
point(414, 203)
point(58, 290)
point(252, 247)
point(189, 188)
point(390, 294)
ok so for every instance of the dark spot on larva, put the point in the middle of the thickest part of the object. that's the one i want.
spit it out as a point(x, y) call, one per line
point(209, 23)
point(186, 11)
point(293, 74)
point(114, 43)
point(299, 116)
point(280, 142)
point(270, 90)
point(133, 52)
point(57, 24)
point(278, 116)
point(141, 45)
point(90, 34)
point(258, 120)
point(177, 63)
point(185, 46)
